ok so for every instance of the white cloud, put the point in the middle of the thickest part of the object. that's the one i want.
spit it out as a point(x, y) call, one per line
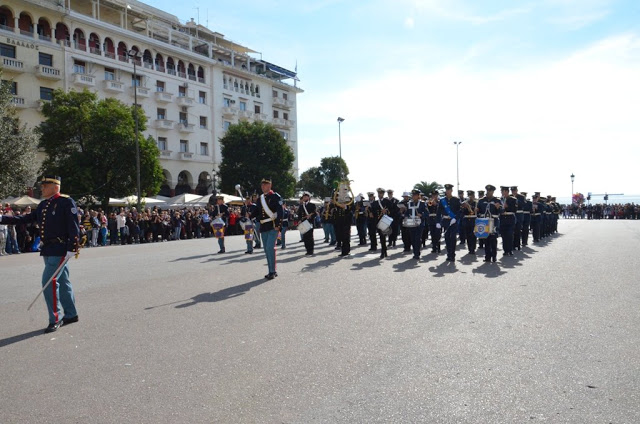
point(409, 23)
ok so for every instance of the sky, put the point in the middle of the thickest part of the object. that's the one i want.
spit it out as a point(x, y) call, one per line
point(534, 90)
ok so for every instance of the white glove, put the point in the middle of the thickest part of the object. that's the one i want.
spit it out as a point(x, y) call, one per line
point(438, 226)
point(453, 221)
point(70, 255)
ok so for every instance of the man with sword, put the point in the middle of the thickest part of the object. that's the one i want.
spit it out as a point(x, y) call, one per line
point(57, 217)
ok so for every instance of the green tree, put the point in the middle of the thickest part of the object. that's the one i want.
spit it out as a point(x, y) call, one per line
point(427, 187)
point(18, 146)
point(91, 144)
point(320, 181)
point(252, 151)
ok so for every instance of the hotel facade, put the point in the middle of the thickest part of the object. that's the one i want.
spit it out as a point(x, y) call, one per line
point(191, 82)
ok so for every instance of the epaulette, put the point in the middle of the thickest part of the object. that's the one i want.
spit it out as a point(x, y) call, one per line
point(64, 195)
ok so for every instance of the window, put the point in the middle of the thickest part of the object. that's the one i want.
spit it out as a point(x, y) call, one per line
point(257, 108)
point(45, 59)
point(275, 94)
point(203, 122)
point(46, 93)
point(79, 67)
point(109, 74)
point(204, 149)
point(226, 102)
point(7, 50)
point(160, 86)
point(162, 113)
point(284, 96)
point(276, 114)
point(285, 115)
point(183, 118)
point(243, 105)
point(162, 143)
point(226, 125)
point(136, 80)
point(13, 86)
point(284, 134)
point(202, 97)
point(182, 91)
point(184, 146)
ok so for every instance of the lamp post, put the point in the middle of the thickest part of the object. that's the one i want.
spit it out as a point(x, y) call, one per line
point(457, 143)
point(136, 56)
point(340, 121)
point(572, 178)
point(214, 174)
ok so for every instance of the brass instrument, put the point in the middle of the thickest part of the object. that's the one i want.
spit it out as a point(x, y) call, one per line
point(343, 196)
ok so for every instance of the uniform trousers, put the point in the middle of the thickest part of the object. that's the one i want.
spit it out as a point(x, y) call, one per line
point(59, 291)
point(468, 226)
point(507, 225)
point(406, 238)
point(517, 231)
point(307, 238)
point(535, 226)
point(343, 234)
point(383, 243)
point(436, 233)
point(450, 237)
point(361, 225)
point(371, 227)
point(524, 232)
point(269, 238)
point(491, 247)
point(415, 235)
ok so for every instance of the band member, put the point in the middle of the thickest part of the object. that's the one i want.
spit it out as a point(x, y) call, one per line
point(480, 241)
point(379, 208)
point(460, 215)
point(537, 209)
point(246, 211)
point(507, 220)
point(404, 231)
point(556, 210)
point(469, 220)
point(220, 210)
point(425, 230)
point(268, 212)
point(517, 232)
point(490, 206)
point(416, 211)
point(361, 219)
point(343, 216)
point(256, 223)
point(394, 213)
point(57, 216)
point(435, 216)
point(527, 209)
point(371, 222)
point(285, 226)
point(326, 218)
point(451, 208)
point(307, 212)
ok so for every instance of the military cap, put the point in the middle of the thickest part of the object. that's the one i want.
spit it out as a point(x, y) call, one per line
point(370, 193)
point(514, 188)
point(306, 193)
point(460, 191)
point(415, 191)
point(503, 188)
point(380, 190)
point(266, 181)
point(490, 187)
point(480, 192)
point(536, 194)
point(390, 191)
point(448, 186)
point(50, 179)
point(470, 192)
point(406, 194)
point(219, 196)
point(524, 193)
point(434, 192)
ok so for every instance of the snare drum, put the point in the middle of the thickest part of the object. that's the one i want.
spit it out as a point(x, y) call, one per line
point(484, 227)
point(304, 227)
point(412, 222)
point(384, 225)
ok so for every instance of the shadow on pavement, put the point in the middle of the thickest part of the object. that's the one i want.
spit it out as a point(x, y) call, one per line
point(19, 338)
point(223, 294)
point(443, 269)
point(489, 270)
point(188, 258)
point(367, 264)
point(408, 264)
point(320, 264)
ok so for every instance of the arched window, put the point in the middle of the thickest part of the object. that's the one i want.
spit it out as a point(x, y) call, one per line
point(191, 72)
point(122, 52)
point(181, 69)
point(159, 62)
point(147, 59)
point(6, 18)
point(109, 48)
point(201, 75)
point(62, 34)
point(171, 67)
point(44, 29)
point(94, 43)
point(25, 23)
point(79, 42)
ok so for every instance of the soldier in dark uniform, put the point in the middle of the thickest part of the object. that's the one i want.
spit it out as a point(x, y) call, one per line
point(406, 237)
point(435, 216)
point(220, 210)
point(469, 220)
point(490, 206)
point(556, 210)
point(371, 222)
point(247, 210)
point(380, 207)
point(307, 211)
point(268, 212)
point(343, 216)
point(451, 207)
point(480, 241)
point(507, 220)
point(361, 219)
point(517, 232)
point(57, 216)
point(527, 210)
point(425, 230)
point(394, 213)
point(416, 209)
point(537, 213)
point(548, 212)
point(461, 229)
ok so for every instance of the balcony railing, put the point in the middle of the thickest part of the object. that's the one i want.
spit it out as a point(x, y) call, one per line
point(186, 101)
point(260, 117)
point(141, 91)
point(48, 72)
point(186, 155)
point(186, 127)
point(110, 55)
point(10, 64)
point(165, 153)
point(26, 33)
point(18, 102)
point(164, 124)
point(113, 86)
point(229, 111)
point(95, 50)
point(84, 79)
point(163, 97)
point(245, 114)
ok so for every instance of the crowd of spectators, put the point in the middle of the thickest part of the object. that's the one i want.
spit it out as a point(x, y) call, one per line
point(602, 211)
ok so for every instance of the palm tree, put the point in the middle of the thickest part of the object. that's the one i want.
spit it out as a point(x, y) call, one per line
point(427, 187)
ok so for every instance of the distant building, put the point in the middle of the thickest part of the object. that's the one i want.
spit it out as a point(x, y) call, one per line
point(192, 83)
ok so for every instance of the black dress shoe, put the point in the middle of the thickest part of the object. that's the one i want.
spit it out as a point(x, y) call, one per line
point(270, 276)
point(275, 274)
point(344, 254)
point(67, 321)
point(221, 251)
point(52, 327)
point(487, 259)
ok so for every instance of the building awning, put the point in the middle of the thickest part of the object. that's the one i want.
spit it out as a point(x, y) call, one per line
point(280, 71)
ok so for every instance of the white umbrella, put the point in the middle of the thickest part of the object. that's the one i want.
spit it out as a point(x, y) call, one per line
point(24, 201)
point(181, 199)
point(133, 200)
point(226, 198)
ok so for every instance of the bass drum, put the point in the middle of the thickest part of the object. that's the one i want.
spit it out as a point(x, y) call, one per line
point(304, 227)
point(384, 225)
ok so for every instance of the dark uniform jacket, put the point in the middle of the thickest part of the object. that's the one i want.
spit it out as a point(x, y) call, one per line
point(274, 203)
point(310, 208)
point(59, 228)
point(378, 207)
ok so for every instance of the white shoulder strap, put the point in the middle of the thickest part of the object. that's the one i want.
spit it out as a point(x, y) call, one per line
point(265, 207)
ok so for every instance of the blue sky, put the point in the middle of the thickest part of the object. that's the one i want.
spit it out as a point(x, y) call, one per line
point(535, 90)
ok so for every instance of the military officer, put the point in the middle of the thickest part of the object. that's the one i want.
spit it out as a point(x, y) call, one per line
point(469, 220)
point(517, 232)
point(527, 209)
point(402, 207)
point(371, 222)
point(490, 206)
point(449, 222)
point(416, 210)
point(507, 220)
point(361, 219)
point(394, 213)
point(480, 241)
point(307, 211)
point(268, 212)
point(379, 208)
point(57, 216)
point(247, 209)
point(343, 215)
point(461, 229)
point(435, 216)
point(537, 209)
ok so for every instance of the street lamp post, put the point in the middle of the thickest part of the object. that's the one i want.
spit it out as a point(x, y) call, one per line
point(340, 121)
point(572, 178)
point(136, 56)
point(457, 143)
point(214, 192)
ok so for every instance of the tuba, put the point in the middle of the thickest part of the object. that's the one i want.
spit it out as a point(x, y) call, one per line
point(343, 196)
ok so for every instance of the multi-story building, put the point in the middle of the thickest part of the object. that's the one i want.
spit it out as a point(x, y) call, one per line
point(191, 82)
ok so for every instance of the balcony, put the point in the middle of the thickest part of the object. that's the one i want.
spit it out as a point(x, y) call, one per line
point(113, 86)
point(12, 65)
point(19, 102)
point(48, 72)
point(229, 111)
point(287, 104)
point(186, 155)
point(260, 117)
point(280, 122)
point(165, 153)
point(163, 97)
point(186, 101)
point(84, 79)
point(185, 127)
point(140, 91)
point(245, 115)
point(163, 124)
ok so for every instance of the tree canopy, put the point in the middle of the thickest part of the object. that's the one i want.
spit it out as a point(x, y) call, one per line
point(427, 187)
point(252, 151)
point(18, 146)
point(91, 144)
point(320, 180)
